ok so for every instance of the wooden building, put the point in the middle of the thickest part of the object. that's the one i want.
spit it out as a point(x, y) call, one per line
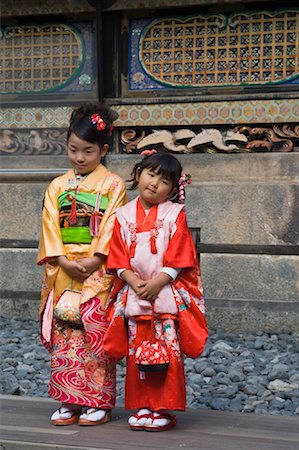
point(216, 83)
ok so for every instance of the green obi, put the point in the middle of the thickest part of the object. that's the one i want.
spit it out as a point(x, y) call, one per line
point(78, 232)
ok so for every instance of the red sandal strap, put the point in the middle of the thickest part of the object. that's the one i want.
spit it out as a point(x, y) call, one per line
point(163, 415)
point(141, 416)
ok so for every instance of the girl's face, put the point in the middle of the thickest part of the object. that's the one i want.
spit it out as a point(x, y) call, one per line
point(153, 188)
point(84, 156)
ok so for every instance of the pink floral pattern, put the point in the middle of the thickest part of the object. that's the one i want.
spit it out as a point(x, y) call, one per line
point(157, 225)
point(132, 227)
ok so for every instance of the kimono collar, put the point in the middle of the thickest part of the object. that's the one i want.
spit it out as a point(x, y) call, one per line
point(145, 222)
point(93, 178)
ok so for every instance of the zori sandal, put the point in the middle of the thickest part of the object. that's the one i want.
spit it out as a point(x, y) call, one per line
point(65, 416)
point(161, 422)
point(138, 421)
point(93, 416)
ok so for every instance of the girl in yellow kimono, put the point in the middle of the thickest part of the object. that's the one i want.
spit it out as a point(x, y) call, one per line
point(77, 223)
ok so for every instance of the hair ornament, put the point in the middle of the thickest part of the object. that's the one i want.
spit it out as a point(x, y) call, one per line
point(148, 152)
point(97, 119)
point(183, 181)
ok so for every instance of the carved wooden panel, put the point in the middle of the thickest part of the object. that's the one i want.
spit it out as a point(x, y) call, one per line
point(279, 138)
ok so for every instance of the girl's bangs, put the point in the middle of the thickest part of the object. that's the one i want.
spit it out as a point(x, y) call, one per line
point(161, 167)
point(161, 170)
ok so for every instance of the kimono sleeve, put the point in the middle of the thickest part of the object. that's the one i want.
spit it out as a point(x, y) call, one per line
point(118, 255)
point(117, 198)
point(50, 244)
point(181, 251)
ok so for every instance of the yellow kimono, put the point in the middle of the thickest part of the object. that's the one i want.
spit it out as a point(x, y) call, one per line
point(81, 373)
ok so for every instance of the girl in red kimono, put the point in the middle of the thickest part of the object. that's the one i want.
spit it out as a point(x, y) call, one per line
point(154, 256)
point(77, 225)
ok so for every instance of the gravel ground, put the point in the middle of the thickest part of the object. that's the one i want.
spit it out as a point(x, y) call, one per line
point(252, 373)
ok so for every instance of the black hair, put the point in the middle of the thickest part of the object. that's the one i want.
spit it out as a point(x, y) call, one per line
point(81, 123)
point(164, 164)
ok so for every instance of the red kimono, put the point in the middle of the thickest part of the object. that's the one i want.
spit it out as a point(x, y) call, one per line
point(145, 244)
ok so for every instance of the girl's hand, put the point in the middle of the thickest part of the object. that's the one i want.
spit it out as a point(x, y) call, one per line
point(91, 264)
point(72, 268)
point(132, 279)
point(149, 289)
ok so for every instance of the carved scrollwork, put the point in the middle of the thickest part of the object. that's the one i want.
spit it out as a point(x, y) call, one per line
point(281, 138)
point(130, 139)
point(287, 131)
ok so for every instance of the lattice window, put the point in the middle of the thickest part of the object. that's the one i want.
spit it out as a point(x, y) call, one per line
point(247, 49)
point(39, 59)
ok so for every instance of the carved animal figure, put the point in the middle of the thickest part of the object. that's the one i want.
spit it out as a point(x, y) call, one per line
point(167, 139)
point(214, 137)
point(9, 142)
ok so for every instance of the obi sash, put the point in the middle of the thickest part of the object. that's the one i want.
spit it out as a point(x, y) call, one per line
point(78, 232)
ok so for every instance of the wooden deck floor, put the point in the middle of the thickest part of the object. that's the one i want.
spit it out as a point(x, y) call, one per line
point(25, 425)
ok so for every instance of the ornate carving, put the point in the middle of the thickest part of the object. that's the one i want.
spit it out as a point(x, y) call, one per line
point(169, 140)
point(187, 141)
point(213, 137)
point(33, 142)
point(280, 138)
point(267, 139)
point(287, 131)
point(129, 139)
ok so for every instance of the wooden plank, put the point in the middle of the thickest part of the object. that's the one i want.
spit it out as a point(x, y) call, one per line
point(25, 424)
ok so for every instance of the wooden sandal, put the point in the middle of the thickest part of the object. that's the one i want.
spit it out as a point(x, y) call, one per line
point(139, 426)
point(88, 422)
point(64, 416)
point(155, 416)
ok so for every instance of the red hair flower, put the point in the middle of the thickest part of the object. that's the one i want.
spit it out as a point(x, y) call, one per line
point(97, 119)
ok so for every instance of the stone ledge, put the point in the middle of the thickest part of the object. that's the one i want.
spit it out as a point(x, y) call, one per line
point(269, 278)
point(234, 199)
point(254, 292)
point(232, 316)
point(237, 319)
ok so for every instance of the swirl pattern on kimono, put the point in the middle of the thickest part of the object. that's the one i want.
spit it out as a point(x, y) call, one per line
point(81, 372)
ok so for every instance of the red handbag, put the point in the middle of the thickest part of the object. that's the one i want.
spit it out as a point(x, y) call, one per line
point(152, 355)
